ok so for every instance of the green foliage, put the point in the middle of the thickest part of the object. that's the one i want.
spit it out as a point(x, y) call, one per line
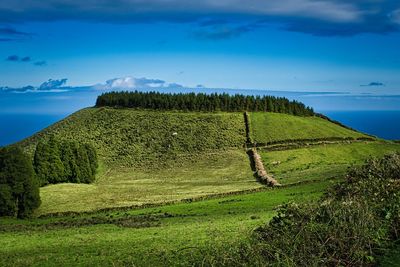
point(350, 226)
point(19, 190)
point(270, 128)
point(60, 162)
point(131, 138)
point(48, 165)
point(202, 102)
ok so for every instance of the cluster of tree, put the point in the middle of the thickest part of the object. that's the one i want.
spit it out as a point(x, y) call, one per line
point(19, 189)
point(64, 161)
point(202, 102)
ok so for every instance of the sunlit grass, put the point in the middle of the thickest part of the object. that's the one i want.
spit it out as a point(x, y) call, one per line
point(272, 127)
point(212, 173)
point(321, 162)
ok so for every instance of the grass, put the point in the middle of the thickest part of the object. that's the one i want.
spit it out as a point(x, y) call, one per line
point(143, 162)
point(185, 232)
point(210, 173)
point(321, 162)
point(276, 127)
point(128, 137)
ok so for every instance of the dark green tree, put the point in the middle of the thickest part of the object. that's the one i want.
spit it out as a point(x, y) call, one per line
point(62, 161)
point(47, 161)
point(19, 189)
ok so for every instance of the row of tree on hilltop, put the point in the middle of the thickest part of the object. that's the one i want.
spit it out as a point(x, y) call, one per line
point(202, 102)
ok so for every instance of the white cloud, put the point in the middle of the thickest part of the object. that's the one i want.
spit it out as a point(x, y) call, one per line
point(135, 83)
point(52, 84)
point(127, 82)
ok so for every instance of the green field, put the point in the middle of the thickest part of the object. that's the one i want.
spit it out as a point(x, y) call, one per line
point(275, 127)
point(143, 161)
point(178, 235)
point(321, 162)
point(207, 173)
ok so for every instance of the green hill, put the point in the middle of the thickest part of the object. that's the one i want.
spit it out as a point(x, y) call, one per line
point(127, 137)
point(155, 167)
point(267, 127)
point(162, 156)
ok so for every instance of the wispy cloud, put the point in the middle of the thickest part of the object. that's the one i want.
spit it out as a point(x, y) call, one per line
point(52, 84)
point(40, 63)
point(135, 83)
point(6, 39)
point(124, 83)
point(9, 34)
point(13, 58)
point(49, 86)
point(317, 17)
point(12, 32)
point(25, 59)
point(373, 84)
point(221, 32)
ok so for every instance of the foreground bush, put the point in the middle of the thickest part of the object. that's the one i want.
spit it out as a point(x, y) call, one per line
point(355, 221)
point(19, 190)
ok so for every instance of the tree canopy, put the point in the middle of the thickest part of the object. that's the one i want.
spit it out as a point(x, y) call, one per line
point(65, 161)
point(19, 189)
point(202, 102)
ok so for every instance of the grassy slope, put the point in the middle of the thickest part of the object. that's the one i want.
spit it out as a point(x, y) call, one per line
point(127, 137)
point(271, 127)
point(143, 161)
point(186, 231)
point(115, 187)
point(191, 231)
point(325, 161)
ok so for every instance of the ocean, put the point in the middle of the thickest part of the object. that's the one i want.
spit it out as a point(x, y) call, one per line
point(16, 127)
point(384, 124)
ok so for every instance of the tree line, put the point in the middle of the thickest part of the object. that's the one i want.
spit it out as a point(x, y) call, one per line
point(64, 161)
point(19, 189)
point(202, 102)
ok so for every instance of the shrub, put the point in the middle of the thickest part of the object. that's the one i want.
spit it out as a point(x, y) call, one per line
point(350, 226)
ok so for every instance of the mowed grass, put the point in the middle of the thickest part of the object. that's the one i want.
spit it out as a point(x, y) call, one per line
point(274, 127)
point(185, 233)
point(321, 162)
point(129, 137)
point(204, 174)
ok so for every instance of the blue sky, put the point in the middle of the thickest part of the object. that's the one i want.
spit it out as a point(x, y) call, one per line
point(287, 45)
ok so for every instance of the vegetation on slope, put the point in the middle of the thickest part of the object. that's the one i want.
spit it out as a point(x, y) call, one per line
point(324, 161)
point(202, 102)
point(127, 137)
point(353, 224)
point(269, 128)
